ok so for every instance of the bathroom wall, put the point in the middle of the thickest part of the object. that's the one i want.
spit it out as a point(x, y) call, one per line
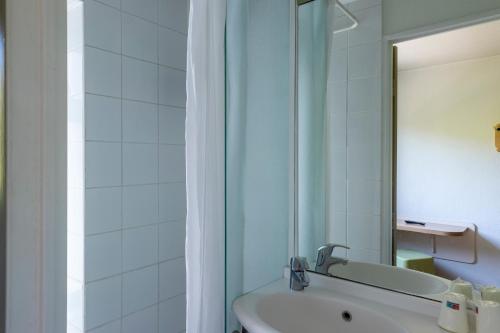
point(401, 15)
point(134, 200)
point(257, 146)
point(354, 90)
point(447, 163)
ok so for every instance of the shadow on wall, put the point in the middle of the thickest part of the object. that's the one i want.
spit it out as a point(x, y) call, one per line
point(447, 162)
point(488, 257)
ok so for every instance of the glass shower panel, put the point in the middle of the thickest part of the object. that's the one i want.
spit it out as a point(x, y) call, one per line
point(311, 149)
point(257, 145)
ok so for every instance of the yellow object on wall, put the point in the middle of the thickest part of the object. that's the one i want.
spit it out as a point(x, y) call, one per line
point(497, 137)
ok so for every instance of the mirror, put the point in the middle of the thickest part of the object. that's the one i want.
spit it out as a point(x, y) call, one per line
point(434, 218)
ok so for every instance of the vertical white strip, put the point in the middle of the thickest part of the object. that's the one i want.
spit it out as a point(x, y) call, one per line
point(205, 160)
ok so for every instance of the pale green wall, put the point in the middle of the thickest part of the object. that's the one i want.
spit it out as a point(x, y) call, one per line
point(402, 15)
point(447, 162)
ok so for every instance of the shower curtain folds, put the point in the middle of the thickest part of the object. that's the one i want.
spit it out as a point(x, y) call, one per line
point(205, 132)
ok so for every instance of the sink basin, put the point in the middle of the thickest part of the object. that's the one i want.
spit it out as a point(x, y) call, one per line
point(276, 309)
point(300, 312)
point(332, 305)
point(393, 278)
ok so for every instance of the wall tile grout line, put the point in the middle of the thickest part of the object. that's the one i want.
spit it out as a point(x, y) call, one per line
point(179, 108)
point(139, 310)
point(150, 143)
point(135, 185)
point(134, 270)
point(131, 185)
point(136, 227)
point(140, 208)
point(379, 40)
point(135, 58)
point(142, 18)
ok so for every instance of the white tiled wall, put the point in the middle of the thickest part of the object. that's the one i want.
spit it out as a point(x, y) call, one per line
point(356, 94)
point(135, 208)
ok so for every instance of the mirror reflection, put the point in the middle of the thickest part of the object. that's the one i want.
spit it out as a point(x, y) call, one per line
point(424, 217)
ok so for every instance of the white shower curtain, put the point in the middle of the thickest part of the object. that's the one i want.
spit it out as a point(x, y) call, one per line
point(205, 167)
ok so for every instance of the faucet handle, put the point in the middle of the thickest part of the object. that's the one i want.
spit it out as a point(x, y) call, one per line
point(339, 245)
point(299, 264)
point(298, 275)
point(326, 251)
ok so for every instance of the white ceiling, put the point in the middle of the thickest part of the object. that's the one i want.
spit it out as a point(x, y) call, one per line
point(478, 41)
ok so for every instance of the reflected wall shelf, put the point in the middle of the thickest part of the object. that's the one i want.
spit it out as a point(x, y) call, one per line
point(436, 229)
point(440, 240)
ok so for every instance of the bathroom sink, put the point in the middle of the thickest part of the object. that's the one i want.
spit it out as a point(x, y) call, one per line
point(302, 312)
point(394, 278)
point(333, 306)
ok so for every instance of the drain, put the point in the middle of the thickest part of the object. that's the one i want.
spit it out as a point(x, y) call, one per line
point(346, 315)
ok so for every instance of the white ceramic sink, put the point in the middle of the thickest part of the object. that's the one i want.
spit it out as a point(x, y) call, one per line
point(317, 309)
point(393, 278)
point(302, 312)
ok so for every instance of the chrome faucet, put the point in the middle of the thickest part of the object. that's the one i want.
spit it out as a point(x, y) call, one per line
point(298, 275)
point(325, 259)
